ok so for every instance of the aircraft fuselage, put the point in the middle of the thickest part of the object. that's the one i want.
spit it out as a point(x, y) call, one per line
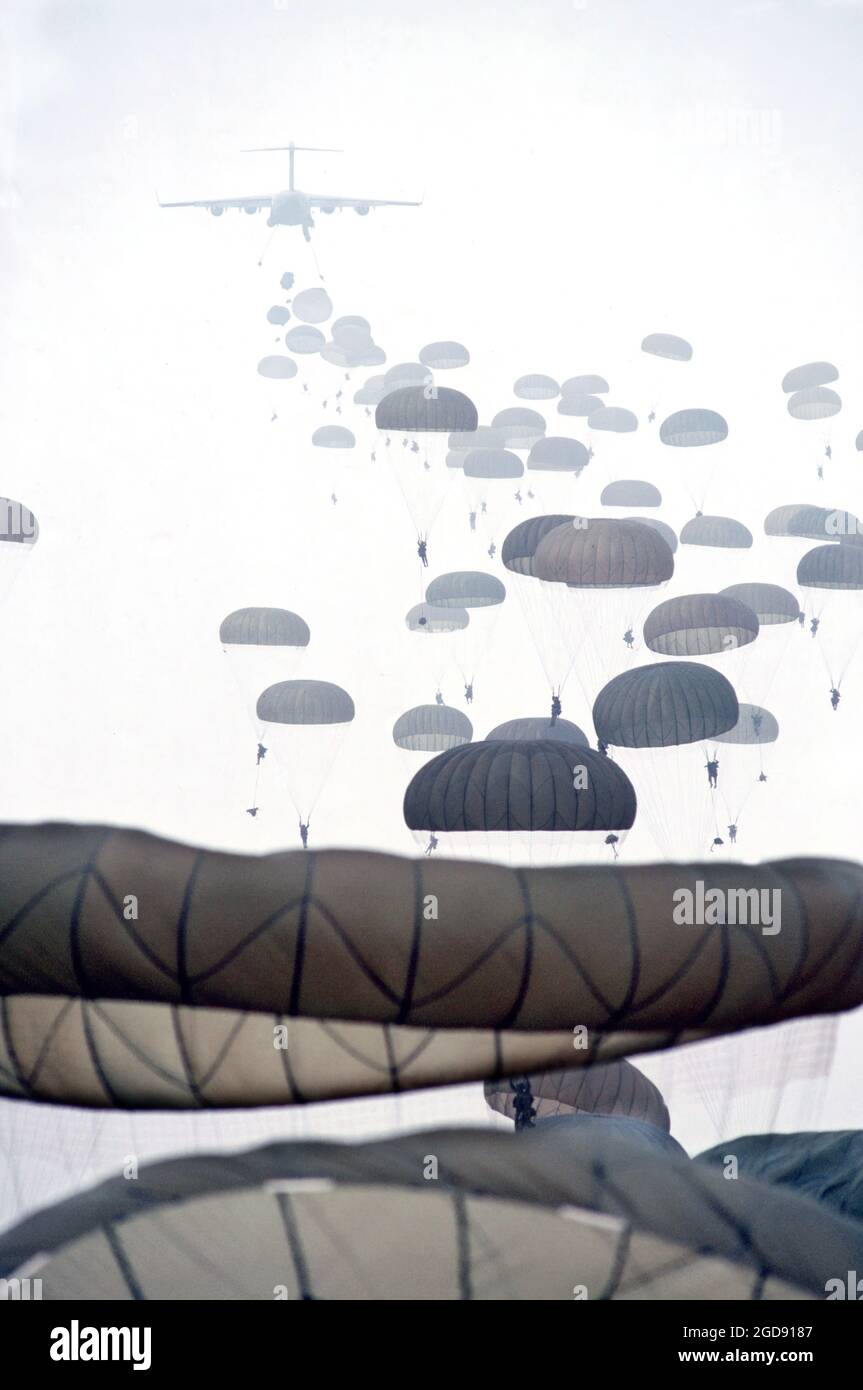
point(290, 209)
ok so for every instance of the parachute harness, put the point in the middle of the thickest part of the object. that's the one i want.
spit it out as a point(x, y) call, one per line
point(525, 1110)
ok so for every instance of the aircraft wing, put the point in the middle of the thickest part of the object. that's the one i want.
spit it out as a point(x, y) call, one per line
point(222, 203)
point(329, 200)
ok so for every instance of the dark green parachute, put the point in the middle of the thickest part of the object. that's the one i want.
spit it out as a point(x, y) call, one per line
point(770, 603)
point(465, 589)
point(277, 368)
point(264, 627)
point(413, 408)
point(604, 554)
point(518, 551)
point(755, 726)
point(665, 531)
point(432, 729)
point(831, 567)
point(444, 356)
point(536, 387)
point(613, 418)
point(305, 702)
point(667, 345)
point(827, 1167)
point(699, 625)
point(630, 492)
point(817, 403)
point(688, 429)
point(664, 705)
point(492, 463)
point(506, 785)
point(616, 1088)
point(721, 531)
point(540, 727)
point(810, 375)
point(556, 454)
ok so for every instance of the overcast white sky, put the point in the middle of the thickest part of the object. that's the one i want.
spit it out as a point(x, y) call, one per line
point(592, 172)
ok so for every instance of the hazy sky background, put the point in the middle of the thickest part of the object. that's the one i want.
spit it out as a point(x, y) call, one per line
point(591, 172)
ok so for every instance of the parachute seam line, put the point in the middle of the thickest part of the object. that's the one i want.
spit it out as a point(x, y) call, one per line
point(415, 945)
point(392, 1064)
point(300, 943)
point(6, 1020)
point(32, 902)
point(50, 1034)
point(94, 1055)
point(298, 1097)
point(620, 1256)
point(185, 1059)
point(123, 1262)
point(295, 1245)
point(75, 952)
point(528, 921)
point(136, 1051)
point(183, 980)
point(130, 931)
point(462, 1228)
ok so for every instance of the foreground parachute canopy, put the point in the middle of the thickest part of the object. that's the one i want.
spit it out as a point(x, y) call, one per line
point(688, 429)
point(663, 705)
point(667, 345)
point(603, 554)
point(617, 1088)
point(630, 492)
point(465, 589)
point(312, 306)
point(519, 1218)
point(277, 368)
point(413, 409)
point(721, 531)
point(770, 603)
point(177, 1009)
point(816, 403)
point(264, 627)
point(432, 729)
point(555, 454)
point(698, 625)
point(561, 730)
point(826, 1167)
point(809, 376)
point(522, 785)
point(444, 356)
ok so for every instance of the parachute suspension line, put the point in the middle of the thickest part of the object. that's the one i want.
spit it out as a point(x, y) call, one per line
point(525, 1110)
point(267, 245)
point(321, 275)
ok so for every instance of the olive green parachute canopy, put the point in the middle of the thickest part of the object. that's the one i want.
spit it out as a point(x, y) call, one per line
point(413, 408)
point(770, 603)
point(831, 567)
point(333, 437)
point(18, 525)
point(555, 454)
point(754, 726)
point(580, 404)
point(536, 387)
point(465, 589)
point(582, 1208)
point(426, 617)
point(492, 463)
point(176, 1009)
point(277, 368)
point(721, 531)
point(483, 437)
point(817, 403)
point(688, 429)
point(617, 1088)
point(630, 492)
point(613, 418)
point(304, 339)
point(801, 519)
point(525, 785)
point(444, 356)
point(604, 554)
point(664, 705)
point(667, 345)
point(698, 625)
point(518, 551)
point(406, 374)
point(587, 385)
point(665, 531)
point(520, 426)
point(827, 1167)
point(810, 375)
point(561, 730)
point(312, 306)
point(278, 314)
point(264, 627)
point(305, 702)
point(432, 729)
